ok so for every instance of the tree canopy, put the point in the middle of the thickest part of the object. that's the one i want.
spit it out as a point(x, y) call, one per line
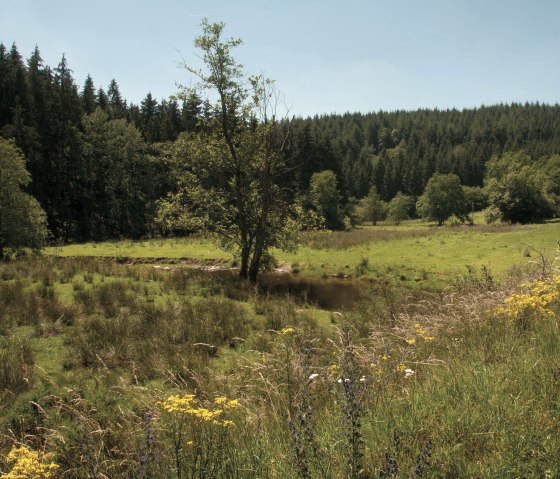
point(399, 208)
point(325, 198)
point(442, 198)
point(22, 221)
point(372, 207)
point(517, 187)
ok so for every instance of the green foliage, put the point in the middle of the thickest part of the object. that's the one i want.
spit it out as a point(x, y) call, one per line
point(372, 208)
point(325, 198)
point(442, 198)
point(43, 110)
point(117, 178)
point(22, 221)
point(516, 186)
point(550, 170)
point(400, 208)
point(476, 198)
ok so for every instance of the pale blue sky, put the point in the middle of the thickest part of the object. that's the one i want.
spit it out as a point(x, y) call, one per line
point(325, 55)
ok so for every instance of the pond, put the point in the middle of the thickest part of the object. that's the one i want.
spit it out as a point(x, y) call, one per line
point(327, 293)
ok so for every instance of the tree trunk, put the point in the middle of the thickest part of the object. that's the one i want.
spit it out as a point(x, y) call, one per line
point(255, 264)
point(244, 267)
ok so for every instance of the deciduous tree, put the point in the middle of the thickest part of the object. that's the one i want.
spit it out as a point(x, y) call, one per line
point(516, 186)
point(22, 221)
point(325, 198)
point(372, 207)
point(443, 197)
point(230, 170)
point(399, 208)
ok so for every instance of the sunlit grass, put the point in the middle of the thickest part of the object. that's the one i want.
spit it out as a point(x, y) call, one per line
point(194, 248)
point(420, 256)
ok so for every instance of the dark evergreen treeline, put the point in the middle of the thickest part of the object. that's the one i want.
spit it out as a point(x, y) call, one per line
point(97, 166)
point(400, 151)
point(89, 152)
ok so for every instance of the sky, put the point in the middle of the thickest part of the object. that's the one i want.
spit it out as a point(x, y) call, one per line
point(326, 56)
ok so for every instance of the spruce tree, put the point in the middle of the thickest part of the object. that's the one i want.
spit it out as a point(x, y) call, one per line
point(116, 104)
point(89, 101)
point(102, 100)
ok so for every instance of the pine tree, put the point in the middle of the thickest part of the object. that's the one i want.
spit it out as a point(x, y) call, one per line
point(89, 101)
point(116, 105)
point(5, 102)
point(191, 112)
point(19, 90)
point(150, 121)
point(102, 100)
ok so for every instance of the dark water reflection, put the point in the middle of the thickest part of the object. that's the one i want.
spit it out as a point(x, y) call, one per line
point(332, 293)
point(329, 293)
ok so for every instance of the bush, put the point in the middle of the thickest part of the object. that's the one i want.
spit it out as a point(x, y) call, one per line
point(400, 208)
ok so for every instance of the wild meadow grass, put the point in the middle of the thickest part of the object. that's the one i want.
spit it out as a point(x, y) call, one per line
point(129, 371)
point(417, 255)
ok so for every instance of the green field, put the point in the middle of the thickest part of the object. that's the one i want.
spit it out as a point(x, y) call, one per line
point(421, 256)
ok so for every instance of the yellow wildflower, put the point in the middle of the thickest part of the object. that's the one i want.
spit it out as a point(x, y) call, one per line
point(187, 405)
point(227, 403)
point(180, 404)
point(231, 404)
point(287, 331)
point(204, 414)
point(28, 464)
point(537, 300)
point(420, 329)
point(401, 367)
point(411, 341)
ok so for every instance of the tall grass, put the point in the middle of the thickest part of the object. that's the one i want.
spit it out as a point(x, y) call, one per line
point(342, 240)
point(16, 365)
point(407, 384)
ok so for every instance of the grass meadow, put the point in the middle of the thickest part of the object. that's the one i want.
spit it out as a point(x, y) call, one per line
point(112, 370)
point(420, 256)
